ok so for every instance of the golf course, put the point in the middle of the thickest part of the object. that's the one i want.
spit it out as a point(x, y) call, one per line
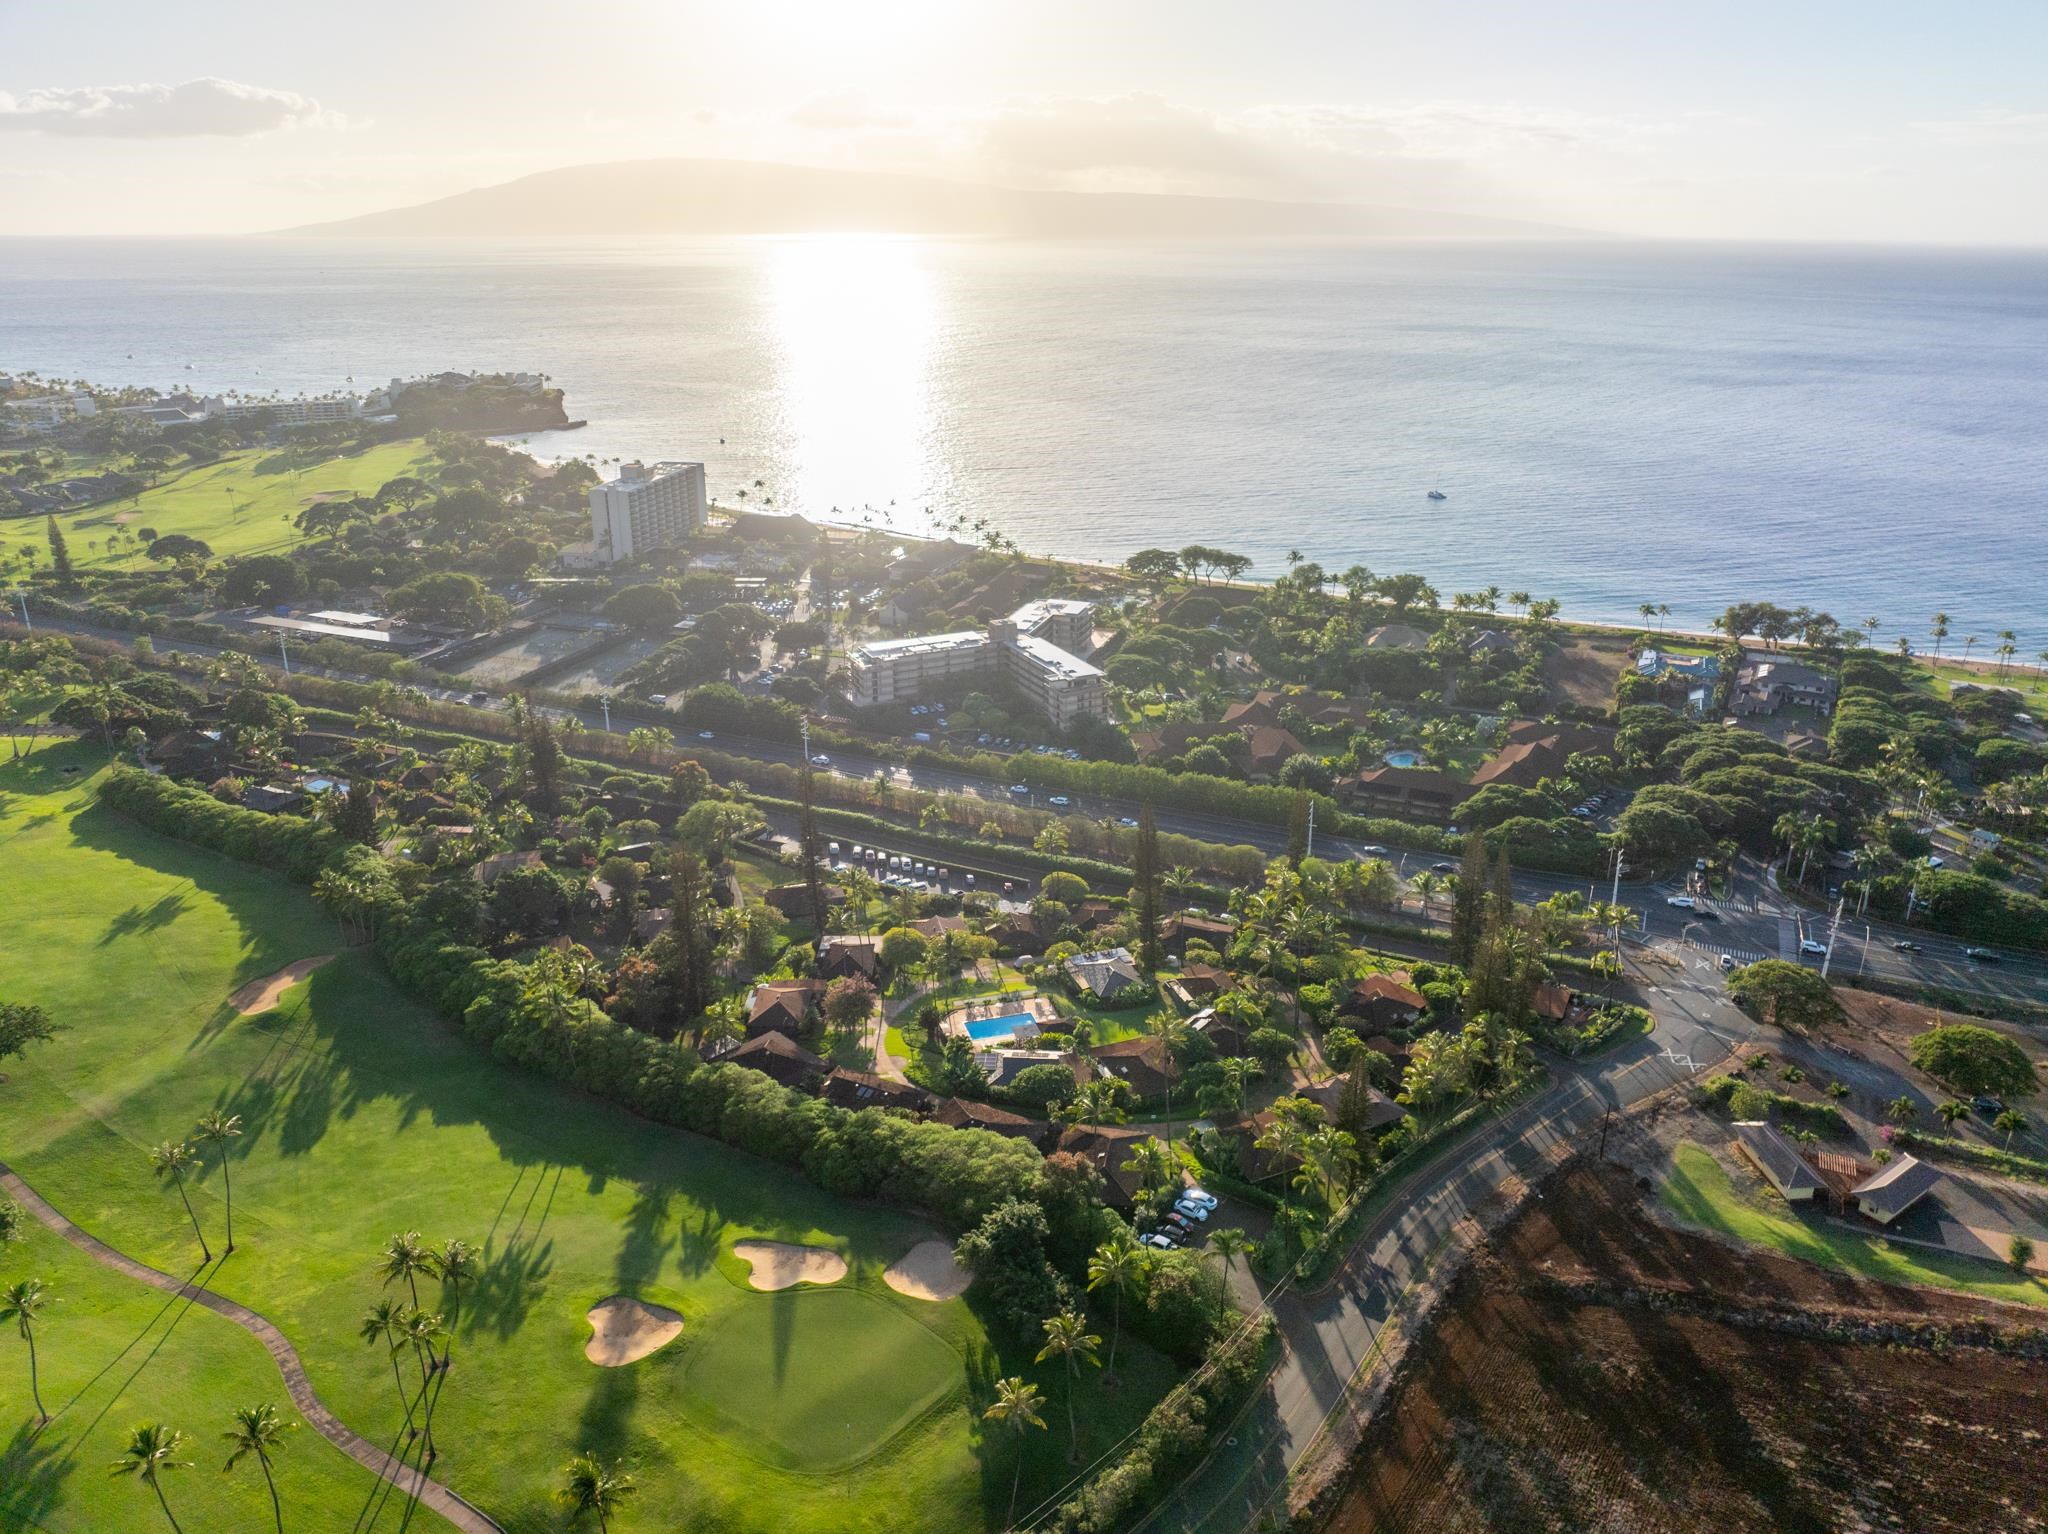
point(821, 1406)
point(245, 503)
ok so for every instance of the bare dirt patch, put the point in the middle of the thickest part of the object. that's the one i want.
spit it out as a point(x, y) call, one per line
point(1584, 671)
point(781, 1264)
point(1596, 1370)
point(623, 1329)
point(261, 995)
point(928, 1272)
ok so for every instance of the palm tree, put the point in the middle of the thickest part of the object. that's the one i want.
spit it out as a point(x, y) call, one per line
point(152, 1450)
point(1648, 611)
point(1230, 1243)
point(1940, 632)
point(1067, 1338)
point(170, 1159)
point(258, 1430)
point(1016, 1407)
point(1177, 882)
point(2008, 647)
point(2012, 1121)
point(1118, 1264)
point(1902, 1110)
point(217, 1128)
point(1969, 645)
point(420, 1330)
point(22, 1302)
point(406, 1256)
point(1952, 1110)
point(381, 1325)
point(589, 1485)
point(456, 1262)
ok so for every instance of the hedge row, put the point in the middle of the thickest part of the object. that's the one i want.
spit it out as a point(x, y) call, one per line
point(958, 1175)
point(2028, 1168)
point(1824, 1117)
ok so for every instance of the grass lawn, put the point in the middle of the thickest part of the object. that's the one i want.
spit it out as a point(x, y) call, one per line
point(114, 1353)
point(244, 504)
point(364, 1115)
point(1700, 1192)
point(1939, 677)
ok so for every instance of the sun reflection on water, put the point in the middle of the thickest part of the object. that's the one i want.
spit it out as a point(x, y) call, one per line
point(854, 321)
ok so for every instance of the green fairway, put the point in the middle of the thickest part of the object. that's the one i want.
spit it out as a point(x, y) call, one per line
point(364, 1115)
point(114, 1353)
point(815, 1379)
point(244, 504)
point(1700, 1192)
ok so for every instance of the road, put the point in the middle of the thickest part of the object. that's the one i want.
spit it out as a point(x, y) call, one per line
point(1329, 1336)
point(1755, 920)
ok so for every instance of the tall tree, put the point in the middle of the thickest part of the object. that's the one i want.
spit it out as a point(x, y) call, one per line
point(809, 847)
point(216, 1129)
point(407, 1257)
point(543, 759)
point(152, 1451)
point(1067, 1338)
point(259, 1431)
point(1145, 870)
point(380, 1328)
point(171, 1159)
point(1468, 900)
point(1119, 1264)
point(1297, 827)
point(691, 933)
point(589, 1485)
point(60, 554)
point(1016, 1407)
point(23, 1303)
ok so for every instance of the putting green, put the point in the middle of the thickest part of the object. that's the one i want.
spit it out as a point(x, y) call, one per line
point(815, 1380)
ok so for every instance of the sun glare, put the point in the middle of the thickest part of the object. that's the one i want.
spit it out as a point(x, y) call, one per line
point(855, 318)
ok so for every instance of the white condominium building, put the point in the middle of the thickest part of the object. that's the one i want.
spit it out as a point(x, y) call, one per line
point(1021, 647)
point(649, 506)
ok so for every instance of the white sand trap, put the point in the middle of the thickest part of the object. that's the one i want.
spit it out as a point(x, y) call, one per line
point(624, 1329)
point(778, 1264)
point(261, 995)
point(928, 1272)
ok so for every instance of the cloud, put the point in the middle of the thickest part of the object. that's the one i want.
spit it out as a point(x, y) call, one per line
point(844, 112)
point(208, 108)
point(1992, 127)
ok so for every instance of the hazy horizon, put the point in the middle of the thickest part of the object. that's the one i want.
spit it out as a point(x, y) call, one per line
point(1879, 123)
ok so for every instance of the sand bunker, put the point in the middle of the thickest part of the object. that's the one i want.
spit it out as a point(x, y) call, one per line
point(624, 1329)
point(778, 1264)
point(261, 995)
point(928, 1272)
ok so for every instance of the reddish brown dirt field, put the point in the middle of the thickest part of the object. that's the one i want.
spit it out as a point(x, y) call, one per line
point(1529, 1410)
point(1585, 671)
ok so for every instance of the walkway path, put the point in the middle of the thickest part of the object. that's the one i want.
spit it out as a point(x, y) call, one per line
point(413, 1482)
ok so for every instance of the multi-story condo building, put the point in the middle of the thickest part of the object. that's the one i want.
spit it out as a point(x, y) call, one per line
point(1021, 647)
point(649, 506)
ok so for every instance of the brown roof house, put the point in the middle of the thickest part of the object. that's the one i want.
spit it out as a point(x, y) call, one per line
point(1145, 1063)
point(1224, 1036)
point(1174, 738)
point(1412, 792)
point(840, 956)
point(1198, 984)
point(1383, 1001)
point(1106, 1147)
point(782, 1006)
point(1175, 931)
point(965, 1113)
point(779, 1056)
point(860, 1089)
point(1271, 746)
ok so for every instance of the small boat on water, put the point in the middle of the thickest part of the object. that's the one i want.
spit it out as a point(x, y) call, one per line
point(1438, 495)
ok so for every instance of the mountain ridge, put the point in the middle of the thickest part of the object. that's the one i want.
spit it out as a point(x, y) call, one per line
point(722, 197)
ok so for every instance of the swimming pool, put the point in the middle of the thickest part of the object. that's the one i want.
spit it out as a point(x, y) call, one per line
point(981, 1029)
point(1403, 758)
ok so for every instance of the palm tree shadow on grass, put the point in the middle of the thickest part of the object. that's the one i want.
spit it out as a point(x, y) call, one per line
point(32, 1476)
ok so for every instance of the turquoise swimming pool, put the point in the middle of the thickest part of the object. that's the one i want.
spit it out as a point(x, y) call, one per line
point(1403, 758)
point(982, 1029)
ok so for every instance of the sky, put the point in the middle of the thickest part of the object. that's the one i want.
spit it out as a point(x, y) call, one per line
point(1794, 119)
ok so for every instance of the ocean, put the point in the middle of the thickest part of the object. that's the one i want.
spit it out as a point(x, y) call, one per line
point(1864, 431)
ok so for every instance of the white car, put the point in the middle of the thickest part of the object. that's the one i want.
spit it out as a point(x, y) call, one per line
point(1157, 1242)
point(706, 735)
point(821, 760)
point(1019, 788)
point(1198, 1196)
point(1808, 945)
point(1683, 902)
point(1194, 1211)
point(1060, 799)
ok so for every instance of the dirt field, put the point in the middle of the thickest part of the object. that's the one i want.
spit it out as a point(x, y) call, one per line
point(1584, 672)
point(1553, 1396)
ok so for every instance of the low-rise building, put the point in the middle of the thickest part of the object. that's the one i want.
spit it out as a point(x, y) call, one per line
point(840, 956)
point(1382, 1002)
point(1106, 974)
point(1779, 1161)
point(778, 1056)
point(965, 1113)
point(1408, 793)
point(1767, 682)
point(782, 1006)
point(1894, 1188)
point(1061, 685)
point(862, 1089)
point(1145, 1063)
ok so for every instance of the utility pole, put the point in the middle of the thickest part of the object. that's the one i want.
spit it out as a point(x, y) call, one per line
point(1309, 846)
point(22, 597)
point(605, 702)
point(1606, 1119)
point(1834, 927)
point(284, 655)
point(1614, 904)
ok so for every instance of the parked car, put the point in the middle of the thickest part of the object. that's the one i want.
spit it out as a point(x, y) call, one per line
point(1172, 1235)
point(1727, 961)
point(1199, 1196)
point(1180, 1222)
point(1157, 1242)
point(1199, 1213)
point(658, 697)
point(1935, 862)
point(1987, 1108)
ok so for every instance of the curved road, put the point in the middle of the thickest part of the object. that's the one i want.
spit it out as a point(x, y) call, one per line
point(412, 1481)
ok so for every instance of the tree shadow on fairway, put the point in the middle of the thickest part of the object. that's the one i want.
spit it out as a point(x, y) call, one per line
point(604, 1426)
point(32, 1476)
point(697, 1250)
point(138, 919)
